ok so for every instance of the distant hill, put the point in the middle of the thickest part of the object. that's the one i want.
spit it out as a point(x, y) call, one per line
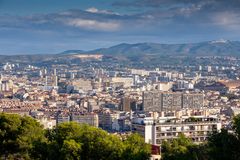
point(139, 52)
point(72, 52)
point(215, 48)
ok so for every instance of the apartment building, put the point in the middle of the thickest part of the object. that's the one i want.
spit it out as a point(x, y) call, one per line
point(88, 118)
point(106, 120)
point(155, 131)
point(157, 101)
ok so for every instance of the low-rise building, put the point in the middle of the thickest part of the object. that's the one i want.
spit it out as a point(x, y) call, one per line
point(88, 118)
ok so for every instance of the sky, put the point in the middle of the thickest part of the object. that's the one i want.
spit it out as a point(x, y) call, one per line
point(53, 26)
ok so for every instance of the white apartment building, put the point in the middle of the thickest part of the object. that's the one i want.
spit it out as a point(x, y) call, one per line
point(155, 131)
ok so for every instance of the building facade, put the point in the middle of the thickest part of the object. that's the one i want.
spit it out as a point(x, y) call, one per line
point(88, 118)
point(162, 129)
point(157, 101)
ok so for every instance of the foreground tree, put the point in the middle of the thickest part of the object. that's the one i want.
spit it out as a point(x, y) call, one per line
point(135, 148)
point(98, 144)
point(24, 138)
point(225, 145)
point(18, 136)
point(183, 148)
point(74, 141)
point(176, 149)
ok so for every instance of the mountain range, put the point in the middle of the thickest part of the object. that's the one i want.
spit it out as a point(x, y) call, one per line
point(210, 48)
point(139, 52)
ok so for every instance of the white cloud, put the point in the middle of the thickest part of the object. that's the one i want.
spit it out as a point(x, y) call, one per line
point(93, 24)
point(92, 10)
point(190, 9)
point(95, 10)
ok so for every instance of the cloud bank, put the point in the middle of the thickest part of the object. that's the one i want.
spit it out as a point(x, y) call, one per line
point(131, 21)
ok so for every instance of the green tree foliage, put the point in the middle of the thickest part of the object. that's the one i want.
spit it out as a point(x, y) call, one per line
point(18, 136)
point(70, 150)
point(24, 138)
point(91, 143)
point(85, 142)
point(224, 146)
point(181, 148)
point(135, 148)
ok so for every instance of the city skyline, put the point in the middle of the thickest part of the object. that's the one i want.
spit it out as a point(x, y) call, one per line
point(120, 79)
point(43, 27)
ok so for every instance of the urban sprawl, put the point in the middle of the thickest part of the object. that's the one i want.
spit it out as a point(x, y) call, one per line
point(158, 103)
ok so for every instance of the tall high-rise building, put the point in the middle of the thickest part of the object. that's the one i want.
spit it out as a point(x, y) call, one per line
point(152, 101)
point(125, 104)
point(192, 100)
point(55, 72)
point(45, 71)
point(170, 101)
point(55, 80)
point(41, 73)
point(209, 68)
point(72, 75)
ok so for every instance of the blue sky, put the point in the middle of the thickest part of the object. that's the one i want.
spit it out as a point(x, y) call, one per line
point(52, 26)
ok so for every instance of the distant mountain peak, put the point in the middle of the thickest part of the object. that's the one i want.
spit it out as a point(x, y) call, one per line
point(72, 52)
point(220, 41)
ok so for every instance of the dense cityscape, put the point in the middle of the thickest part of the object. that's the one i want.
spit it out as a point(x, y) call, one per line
point(159, 104)
point(120, 80)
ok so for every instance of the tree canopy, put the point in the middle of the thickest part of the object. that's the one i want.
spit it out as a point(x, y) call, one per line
point(18, 136)
point(22, 137)
point(25, 138)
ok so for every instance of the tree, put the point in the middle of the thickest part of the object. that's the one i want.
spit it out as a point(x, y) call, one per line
point(63, 142)
point(17, 136)
point(224, 146)
point(135, 148)
point(74, 141)
point(182, 148)
point(98, 144)
point(24, 138)
point(70, 150)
